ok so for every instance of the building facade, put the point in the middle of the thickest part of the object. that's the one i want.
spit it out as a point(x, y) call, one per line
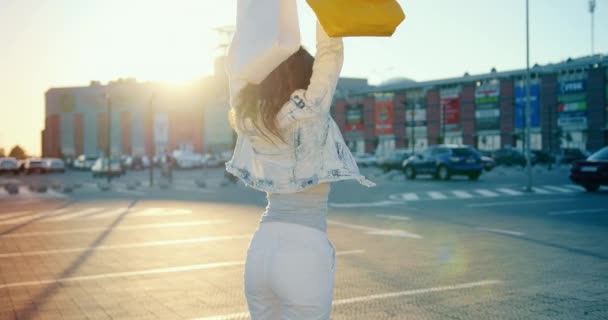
point(568, 109)
point(134, 118)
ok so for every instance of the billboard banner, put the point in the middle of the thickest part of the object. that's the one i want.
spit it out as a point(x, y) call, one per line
point(384, 117)
point(572, 104)
point(520, 105)
point(572, 86)
point(449, 100)
point(161, 129)
point(415, 113)
point(354, 117)
point(487, 109)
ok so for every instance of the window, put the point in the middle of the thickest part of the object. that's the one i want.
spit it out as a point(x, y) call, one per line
point(601, 155)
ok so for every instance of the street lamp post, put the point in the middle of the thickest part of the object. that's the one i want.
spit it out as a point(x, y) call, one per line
point(528, 109)
point(152, 151)
point(592, 11)
point(109, 137)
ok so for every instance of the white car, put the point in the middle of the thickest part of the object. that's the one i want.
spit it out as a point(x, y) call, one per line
point(101, 168)
point(187, 160)
point(9, 165)
point(33, 165)
point(54, 165)
point(85, 162)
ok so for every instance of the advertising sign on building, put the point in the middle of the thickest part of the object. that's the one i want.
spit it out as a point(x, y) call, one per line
point(383, 108)
point(161, 129)
point(520, 105)
point(415, 113)
point(354, 117)
point(449, 100)
point(487, 108)
point(572, 105)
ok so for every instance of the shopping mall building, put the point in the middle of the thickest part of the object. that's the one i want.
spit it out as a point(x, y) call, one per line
point(568, 100)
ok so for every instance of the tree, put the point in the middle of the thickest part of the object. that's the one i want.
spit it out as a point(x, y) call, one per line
point(2, 152)
point(18, 153)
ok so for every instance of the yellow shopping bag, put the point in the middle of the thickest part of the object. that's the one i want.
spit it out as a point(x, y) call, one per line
point(357, 18)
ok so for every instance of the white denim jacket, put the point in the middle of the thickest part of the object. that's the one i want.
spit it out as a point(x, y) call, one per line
point(313, 150)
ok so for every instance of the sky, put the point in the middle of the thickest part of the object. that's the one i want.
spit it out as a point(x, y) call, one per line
point(57, 43)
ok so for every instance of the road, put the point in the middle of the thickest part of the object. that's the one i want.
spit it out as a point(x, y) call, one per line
point(421, 249)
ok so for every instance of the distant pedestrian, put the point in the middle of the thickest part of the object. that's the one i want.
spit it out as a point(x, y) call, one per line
point(289, 147)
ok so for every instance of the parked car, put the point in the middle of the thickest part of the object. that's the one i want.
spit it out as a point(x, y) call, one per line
point(54, 165)
point(488, 162)
point(212, 161)
point(393, 160)
point(365, 159)
point(137, 162)
point(187, 160)
point(104, 167)
point(592, 172)
point(34, 165)
point(512, 157)
point(543, 156)
point(444, 161)
point(9, 165)
point(85, 162)
point(570, 155)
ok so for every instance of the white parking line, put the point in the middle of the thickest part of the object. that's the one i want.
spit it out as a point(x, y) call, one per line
point(462, 194)
point(391, 217)
point(135, 227)
point(511, 203)
point(139, 272)
point(123, 246)
point(501, 231)
point(12, 214)
point(487, 193)
point(377, 231)
point(388, 295)
point(558, 189)
point(569, 212)
point(365, 204)
point(436, 195)
point(71, 215)
point(510, 191)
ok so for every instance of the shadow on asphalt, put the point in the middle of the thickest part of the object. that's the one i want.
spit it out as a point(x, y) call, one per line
point(36, 302)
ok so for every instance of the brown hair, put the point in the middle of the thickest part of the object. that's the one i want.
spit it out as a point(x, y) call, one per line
point(262, 102)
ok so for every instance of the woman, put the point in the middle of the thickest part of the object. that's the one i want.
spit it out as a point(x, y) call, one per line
point(289, 147)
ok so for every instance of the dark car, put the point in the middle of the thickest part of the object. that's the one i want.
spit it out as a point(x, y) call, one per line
point(543, 156)
point(512, 157)
point(570, 155)
point(393, 160)
point(444, 161)
point(592, 172)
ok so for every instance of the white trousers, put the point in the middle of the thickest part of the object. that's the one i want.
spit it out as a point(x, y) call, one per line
point(289, 273)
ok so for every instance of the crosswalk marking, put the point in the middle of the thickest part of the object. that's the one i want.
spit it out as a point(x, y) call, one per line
point(436, 195)
point(487, 193)
point(405, 197)
point(574, 187)
point(462, 194)
point(541, 191)
point(510, 191)
point(558, 189)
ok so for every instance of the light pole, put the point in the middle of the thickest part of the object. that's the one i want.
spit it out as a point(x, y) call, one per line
point(152, 146)
point(592, 11)
point(109, 132)
point(528, 110)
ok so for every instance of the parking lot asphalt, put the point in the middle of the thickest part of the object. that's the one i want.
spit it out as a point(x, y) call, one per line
point(422, 249)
